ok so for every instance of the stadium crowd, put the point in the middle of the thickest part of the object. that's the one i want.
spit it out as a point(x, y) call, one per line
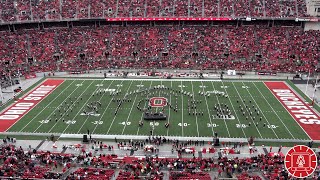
point(25, 10)
point(244, 48)
point(16, 162)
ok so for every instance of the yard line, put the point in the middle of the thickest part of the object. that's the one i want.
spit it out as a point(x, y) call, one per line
point(156, 110)
point(116, 115)
point(105, 110)
point(70, 106)
point(125, 125)
point(205, 97)
point(224, 119)
point(84, 104)
point(47, 105)
point(169, 109)
point(181, 108)
point(145, 105)
point(254, 124)
point(274, 110)
point(195, 110)
point(261, 111)
point(234, 110)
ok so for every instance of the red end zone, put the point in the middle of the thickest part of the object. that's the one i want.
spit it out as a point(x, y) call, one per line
point(16, 111)
point(300, 111)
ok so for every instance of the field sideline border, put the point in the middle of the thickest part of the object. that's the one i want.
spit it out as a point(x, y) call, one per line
point(315, 107)
point(36, 84)
point(165, 79)
point(140, 137)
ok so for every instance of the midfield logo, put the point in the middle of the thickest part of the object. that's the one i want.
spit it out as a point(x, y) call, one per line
point(158, 102)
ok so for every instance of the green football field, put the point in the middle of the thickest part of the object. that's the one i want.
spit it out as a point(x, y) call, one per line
point(194, 108)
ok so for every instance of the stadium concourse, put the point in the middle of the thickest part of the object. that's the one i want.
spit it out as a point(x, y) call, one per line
point(153, 158)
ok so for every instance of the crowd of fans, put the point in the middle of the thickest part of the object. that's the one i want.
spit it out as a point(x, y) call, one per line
point(244, 48)
point(16, 162)
point(23, 10)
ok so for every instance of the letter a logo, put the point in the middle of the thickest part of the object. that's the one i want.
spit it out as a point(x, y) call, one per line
point(300, 161)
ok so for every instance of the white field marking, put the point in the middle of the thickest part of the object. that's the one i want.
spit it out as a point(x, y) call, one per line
point(156, 110)
point(299, 96)
point(195, 109)
point(220, 108)
point(169, 109)
point(181, 108)
point(47, 105)
point(144, 79)
point(205, 97)
point(261, 111)
point(159, 96)
point(105, 110)
point(116, 115)
point(84, 104)
point(275, 111)
point(130, 111)
point(24, 95)
point(70, 107)
point(233, 109)
point(254, 124)
point(55, 109)
point(145, 105)
point(177, 80)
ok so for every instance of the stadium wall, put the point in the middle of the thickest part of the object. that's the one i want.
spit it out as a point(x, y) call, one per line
point(312, 26)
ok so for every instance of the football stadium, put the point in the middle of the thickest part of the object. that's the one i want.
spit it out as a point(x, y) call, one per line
point(183, 89)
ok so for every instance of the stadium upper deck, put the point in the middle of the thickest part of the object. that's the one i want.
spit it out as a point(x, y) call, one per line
point(29, 10)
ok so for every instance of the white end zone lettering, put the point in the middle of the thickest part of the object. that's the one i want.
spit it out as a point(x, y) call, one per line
point(25, 104)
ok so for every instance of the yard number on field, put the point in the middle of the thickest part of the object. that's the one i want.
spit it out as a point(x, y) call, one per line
point(44, 121)
point(212, 125)
point(126, 123)
point(183, 124)
point(97, 122)
point(271, 126)
point(154, 123)
point(70, 122)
